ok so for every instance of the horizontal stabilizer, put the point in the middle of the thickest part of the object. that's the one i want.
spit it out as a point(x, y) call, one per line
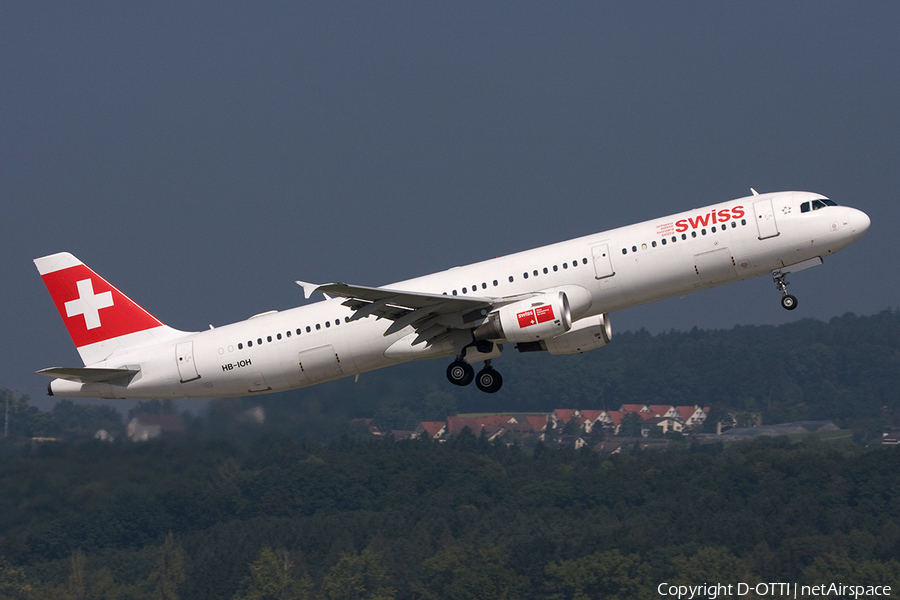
point(84, 375)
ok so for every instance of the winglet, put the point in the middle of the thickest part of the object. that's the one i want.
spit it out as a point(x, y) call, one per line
point(755, 193)
point(309, 288)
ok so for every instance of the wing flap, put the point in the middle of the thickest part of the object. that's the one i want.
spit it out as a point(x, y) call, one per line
point(431, 315)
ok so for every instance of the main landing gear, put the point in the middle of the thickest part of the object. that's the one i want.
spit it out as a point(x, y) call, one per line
point(461, 373)
point(787, 301)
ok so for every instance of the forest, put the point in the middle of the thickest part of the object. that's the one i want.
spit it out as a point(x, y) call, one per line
point(302, 506)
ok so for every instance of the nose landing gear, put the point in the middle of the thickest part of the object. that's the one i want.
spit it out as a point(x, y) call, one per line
point(787, 301)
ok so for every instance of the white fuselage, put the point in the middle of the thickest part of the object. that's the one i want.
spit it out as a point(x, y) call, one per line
point(602, 273)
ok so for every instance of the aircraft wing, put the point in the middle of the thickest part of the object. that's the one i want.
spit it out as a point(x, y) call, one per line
point(431, 315)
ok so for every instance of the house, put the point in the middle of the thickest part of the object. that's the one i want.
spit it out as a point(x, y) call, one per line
point(592, 419)
point(668, 424)
point(608, 447)
point(638, 408)
point(488, 423)
point(146, 426)
point(612, 419)
point(433, 429)
point(538, 423)
point(561, 416)
point(370, 425)
point(692, 415)
point(664, 410)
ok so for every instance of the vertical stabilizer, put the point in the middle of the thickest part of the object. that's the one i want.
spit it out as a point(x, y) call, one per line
point(101, 320)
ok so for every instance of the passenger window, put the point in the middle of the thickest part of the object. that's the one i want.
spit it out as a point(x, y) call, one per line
point(308, 329)
point(634, 248)
point(624, 251)
point(684, 236)
point(278, 337)
point(454, 292)
point(250, 343)
point(653, 243)
point(525, 275)
point(584, 260)
point(546, 270)
point(327, 323)
point(318, 327)
point(268, 338)
point(693, 234)
point(555, 268)
point(484, 286)
point(663, 241)
point(240, 346)
point(259, 341)
point(496, 283)
point(510, 278)
point(464, 290)
point(535, 273)
point(298, 331)
point(565, 265)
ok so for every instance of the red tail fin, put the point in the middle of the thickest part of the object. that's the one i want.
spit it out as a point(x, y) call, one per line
point(93, 310)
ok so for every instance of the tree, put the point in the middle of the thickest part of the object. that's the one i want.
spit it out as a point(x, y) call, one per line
point(361, 577)
point(630, 425)
point(272, 578)
point(170, 570)
point(76, 576)
point(711, 565)
point(464, 572)
point(608, 575)
point(13, 583)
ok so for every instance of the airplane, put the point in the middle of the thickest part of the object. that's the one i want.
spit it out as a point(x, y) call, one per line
point(555, 299)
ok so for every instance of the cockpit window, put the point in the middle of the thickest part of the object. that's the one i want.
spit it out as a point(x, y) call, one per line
point(816, 205)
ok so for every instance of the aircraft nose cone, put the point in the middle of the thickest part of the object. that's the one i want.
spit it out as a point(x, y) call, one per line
point(859, 221)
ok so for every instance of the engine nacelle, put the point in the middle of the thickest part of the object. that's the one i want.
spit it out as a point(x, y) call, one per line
point(541, 317)
point(586, 334)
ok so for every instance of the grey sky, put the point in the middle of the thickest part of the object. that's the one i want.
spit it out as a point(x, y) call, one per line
point(204, 156)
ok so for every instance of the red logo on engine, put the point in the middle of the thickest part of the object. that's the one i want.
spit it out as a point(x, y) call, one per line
point(544, 313)
point(526, 318)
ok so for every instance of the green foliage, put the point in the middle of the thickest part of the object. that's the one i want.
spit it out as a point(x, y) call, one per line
point(361, 577)
point(600, 575)
point(417, 519)
point(199, 516)
point(467, 572)
point(274, 576)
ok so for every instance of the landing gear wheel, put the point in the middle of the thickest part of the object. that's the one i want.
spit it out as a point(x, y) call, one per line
point(789, 302)
point(460, 373)
point(488, 380)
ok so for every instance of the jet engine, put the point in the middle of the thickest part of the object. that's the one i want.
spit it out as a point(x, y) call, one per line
point(586, 334)
point(538, 318)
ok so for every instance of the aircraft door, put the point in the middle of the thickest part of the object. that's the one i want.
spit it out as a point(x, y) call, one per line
point(320, 364)
point(765, 218)
point(602, 262)
point(184, 354)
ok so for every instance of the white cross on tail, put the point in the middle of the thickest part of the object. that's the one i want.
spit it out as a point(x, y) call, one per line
point(88, 304)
